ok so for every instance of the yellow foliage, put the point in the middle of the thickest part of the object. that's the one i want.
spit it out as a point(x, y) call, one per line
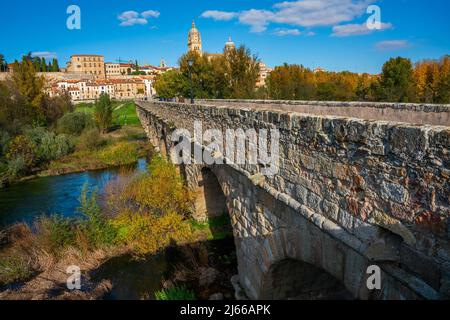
point(147, 233)
point(161, 191)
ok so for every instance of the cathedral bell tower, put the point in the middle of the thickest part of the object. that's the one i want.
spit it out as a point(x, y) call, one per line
point(195, 39)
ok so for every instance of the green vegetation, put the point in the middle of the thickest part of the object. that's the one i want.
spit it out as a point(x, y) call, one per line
point(232, 75)
point(428, 81)
point(74, 123)
point(3, 64)
point(90, 140)
point(41, 133)
point(27, 119)
point(93, 154)
point(124, 112)
point(103, 112)
point(14, 269)
point(216, 228)
point(41, 65)
point(175, 293)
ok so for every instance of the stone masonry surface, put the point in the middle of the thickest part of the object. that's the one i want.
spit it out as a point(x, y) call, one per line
point(350, 192)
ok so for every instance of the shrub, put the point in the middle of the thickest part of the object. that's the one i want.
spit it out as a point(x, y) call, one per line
point(175, 293)
point(162, 190)
point(55, 233)
point(54, 146)
point(96, 228)
point(120, 154)
point(35, 134)
point(147, 233)
point(15, 268)
point(74, 123)
point(90, 139)
point(22, 147)
point(49, 146)
point(4, 142)
point(16, 167)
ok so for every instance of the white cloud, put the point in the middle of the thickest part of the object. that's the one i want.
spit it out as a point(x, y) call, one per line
point(150, 14)
point(256, 19)
point(301, 13)
point(44, 54)
point(391, 45)
point(131, 18)
point(348, 30)
point(287, 32)
point(219, 15)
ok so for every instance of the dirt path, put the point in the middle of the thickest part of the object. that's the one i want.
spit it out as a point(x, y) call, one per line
point(52, 283)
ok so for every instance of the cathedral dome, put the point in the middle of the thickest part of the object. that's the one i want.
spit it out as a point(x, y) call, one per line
point(229, 45)
point(194, 29)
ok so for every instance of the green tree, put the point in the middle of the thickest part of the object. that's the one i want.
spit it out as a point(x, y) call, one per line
point(30, 86)
point(243, 71)
point(103, 112)
point(230, 75)
point(55, 65)
point(3, 64)
point(43, 65)
point(397, 82)
point(170, 84)
point(201, 73)
point(137, 67)
point(37, 63)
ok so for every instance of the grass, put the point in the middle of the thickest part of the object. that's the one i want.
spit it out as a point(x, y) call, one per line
point(175, 293)
point(124, 112)
point(216, 228)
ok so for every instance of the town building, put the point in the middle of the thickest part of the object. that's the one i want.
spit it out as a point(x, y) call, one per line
point(87, 64)
point(125, 88)
point(112, 69)
point(264, 72)
point(127, 68)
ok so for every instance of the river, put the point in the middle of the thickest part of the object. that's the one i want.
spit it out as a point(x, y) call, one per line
point(24, 201)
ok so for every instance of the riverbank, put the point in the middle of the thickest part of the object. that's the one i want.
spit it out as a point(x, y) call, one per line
point(124, 146)
point(202, 266)
point(143, 229)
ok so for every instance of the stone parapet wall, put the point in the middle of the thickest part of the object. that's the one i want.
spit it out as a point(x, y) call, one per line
point(433, 114)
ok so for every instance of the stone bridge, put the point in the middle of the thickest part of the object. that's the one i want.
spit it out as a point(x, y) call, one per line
point(359, 184)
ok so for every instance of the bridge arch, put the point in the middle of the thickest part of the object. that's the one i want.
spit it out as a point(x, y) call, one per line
point(210, 199)
point(294, 279)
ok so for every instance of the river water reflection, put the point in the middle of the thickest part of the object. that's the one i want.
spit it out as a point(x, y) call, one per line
point(23, 202)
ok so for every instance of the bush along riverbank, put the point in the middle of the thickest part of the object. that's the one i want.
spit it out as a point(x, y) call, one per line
point(142, 219)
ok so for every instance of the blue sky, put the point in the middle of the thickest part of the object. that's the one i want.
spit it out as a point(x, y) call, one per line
point(325, 33)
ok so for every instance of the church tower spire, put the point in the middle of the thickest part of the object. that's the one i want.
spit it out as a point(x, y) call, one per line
point(194, 39)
